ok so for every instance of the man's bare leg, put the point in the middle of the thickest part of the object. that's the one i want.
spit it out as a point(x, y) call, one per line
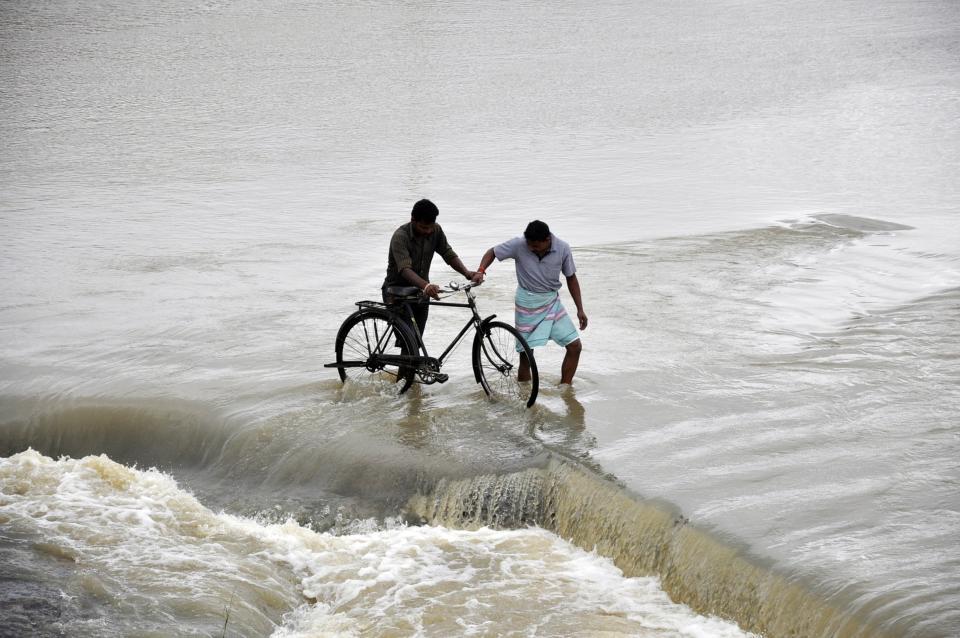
point(570, 361)
point(523, 373)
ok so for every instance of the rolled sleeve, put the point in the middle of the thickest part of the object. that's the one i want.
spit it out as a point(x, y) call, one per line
point(567, 266)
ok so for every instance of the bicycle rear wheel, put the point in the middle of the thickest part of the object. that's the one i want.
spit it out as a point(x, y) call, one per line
point(497, 354)
point(364, 337)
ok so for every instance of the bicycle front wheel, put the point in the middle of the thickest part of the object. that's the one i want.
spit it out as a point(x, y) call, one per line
point(498, 352)
point(367, 341)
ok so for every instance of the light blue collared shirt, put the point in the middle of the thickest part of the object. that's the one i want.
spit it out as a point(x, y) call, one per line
point(533, 273)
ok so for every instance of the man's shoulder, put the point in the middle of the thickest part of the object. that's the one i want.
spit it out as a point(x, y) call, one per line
point(402, 231)
point(559, 245)
point(508, 247)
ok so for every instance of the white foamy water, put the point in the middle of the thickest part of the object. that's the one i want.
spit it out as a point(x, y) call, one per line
point(763, 203)
point(152, 558)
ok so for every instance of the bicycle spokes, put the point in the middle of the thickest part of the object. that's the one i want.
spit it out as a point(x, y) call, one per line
point(372, 351)
point(498, 362)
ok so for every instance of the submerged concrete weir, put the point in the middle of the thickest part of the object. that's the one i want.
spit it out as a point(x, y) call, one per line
point(646, 538)
point(710, 574)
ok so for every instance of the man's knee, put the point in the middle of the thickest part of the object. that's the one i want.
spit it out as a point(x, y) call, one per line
point(575, 347)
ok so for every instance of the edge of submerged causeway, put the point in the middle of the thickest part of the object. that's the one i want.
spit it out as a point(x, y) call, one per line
point(646, 538)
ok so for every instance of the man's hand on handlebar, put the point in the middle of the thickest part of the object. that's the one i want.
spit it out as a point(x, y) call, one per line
point(432, 290)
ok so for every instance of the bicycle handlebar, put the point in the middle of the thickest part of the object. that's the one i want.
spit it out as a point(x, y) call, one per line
point(454, 286)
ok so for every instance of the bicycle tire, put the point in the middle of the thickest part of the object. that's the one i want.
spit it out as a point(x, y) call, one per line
point(372, 331)
point(496, 361)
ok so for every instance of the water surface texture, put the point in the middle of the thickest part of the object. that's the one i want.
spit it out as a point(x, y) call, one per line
point(763, 199)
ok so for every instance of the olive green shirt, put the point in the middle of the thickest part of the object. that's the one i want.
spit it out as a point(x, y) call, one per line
point(407, 250)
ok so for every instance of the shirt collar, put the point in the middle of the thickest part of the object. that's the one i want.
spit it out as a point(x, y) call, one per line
point(416, 237)
point(552, 249)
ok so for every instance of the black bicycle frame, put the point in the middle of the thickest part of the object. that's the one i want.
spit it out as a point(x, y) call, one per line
point(474, 322)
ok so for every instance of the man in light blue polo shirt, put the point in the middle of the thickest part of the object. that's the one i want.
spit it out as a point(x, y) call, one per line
point(540, 258)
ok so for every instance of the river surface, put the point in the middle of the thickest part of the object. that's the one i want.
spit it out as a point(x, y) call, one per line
point(763, 200)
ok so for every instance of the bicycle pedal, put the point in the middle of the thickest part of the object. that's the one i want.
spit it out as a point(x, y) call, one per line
point(441, 378)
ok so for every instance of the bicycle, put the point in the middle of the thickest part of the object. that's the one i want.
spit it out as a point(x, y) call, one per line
point(376, 346)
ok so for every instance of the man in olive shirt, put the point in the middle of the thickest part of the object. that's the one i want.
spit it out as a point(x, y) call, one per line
point(411, 250)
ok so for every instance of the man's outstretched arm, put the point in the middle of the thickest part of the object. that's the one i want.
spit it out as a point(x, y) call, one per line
point(485, 262)
point(458, 265)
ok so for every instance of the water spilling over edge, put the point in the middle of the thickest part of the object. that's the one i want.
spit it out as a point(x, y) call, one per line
point(646, 538)
point(134, 553)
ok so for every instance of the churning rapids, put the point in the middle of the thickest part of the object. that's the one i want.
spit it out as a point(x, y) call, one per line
point(764, 210)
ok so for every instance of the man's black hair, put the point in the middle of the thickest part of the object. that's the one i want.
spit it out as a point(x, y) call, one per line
point(537, 231)
point(425, 211)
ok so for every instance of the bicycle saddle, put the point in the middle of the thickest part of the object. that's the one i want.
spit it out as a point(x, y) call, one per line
point(397, 293)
